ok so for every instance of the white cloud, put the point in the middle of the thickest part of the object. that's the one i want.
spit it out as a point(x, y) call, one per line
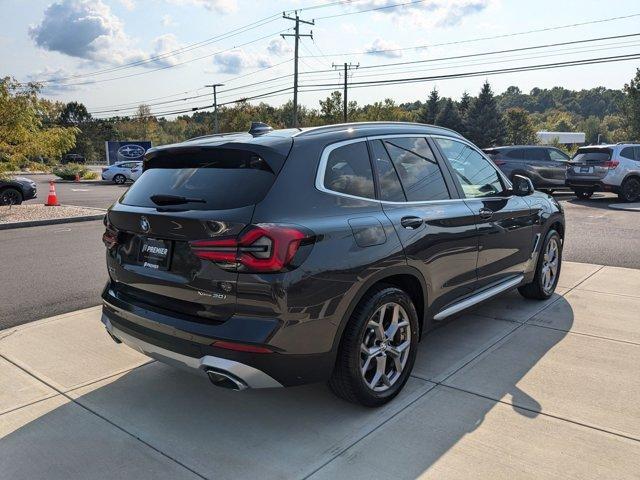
point(238, 60)
point(383, 48)
point(53, 88)
point(128, 4)
point(87, 29)
point(279, 47)
point(167, 21)
point(218, 6)
point(84, 29)
point(439, 13)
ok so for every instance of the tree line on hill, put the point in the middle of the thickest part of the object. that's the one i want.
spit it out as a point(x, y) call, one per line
point(33, 128)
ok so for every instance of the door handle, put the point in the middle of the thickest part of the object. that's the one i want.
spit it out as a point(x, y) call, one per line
point(485, 213)
point(411, 223)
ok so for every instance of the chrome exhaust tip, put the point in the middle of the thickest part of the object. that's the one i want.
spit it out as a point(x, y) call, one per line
point(225, 380)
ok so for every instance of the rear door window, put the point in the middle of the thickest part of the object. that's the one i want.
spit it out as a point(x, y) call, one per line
point(214, 179)
point(417, 168)
point(390, 187)
point(348, 171)
point(515, 154)
point(536, 154)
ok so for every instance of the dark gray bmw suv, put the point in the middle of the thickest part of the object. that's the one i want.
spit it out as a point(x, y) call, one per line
point(278, 258)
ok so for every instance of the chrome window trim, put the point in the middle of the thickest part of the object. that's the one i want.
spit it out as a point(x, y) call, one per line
point(324, 158)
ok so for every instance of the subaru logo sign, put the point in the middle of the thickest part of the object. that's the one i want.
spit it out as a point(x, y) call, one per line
point(131, 151)
point(144, 224)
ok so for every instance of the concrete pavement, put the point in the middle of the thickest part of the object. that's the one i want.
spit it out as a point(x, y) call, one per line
point(515, 389)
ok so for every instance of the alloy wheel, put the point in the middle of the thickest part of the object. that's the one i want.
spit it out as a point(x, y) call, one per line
point(10, 197)
point(550, 263)
point(385, 347)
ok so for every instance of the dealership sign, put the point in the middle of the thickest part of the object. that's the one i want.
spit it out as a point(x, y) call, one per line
point(126, 151)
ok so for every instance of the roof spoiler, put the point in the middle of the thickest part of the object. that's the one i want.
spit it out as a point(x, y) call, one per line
point(259, 128)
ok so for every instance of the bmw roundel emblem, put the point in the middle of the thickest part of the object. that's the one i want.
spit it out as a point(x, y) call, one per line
point(131, 151)
point(144, 224)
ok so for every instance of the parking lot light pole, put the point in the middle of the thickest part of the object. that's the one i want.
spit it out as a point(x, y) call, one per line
point(215, 105)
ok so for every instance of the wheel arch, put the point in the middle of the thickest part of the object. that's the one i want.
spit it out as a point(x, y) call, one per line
point(406, 278)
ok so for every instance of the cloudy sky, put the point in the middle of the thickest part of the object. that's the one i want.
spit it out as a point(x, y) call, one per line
point(113, 54)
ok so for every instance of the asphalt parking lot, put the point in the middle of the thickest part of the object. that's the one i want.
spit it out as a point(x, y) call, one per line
point(516, 388)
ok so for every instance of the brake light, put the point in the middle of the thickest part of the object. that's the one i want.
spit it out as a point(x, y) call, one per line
point(261, 248)
point(110, 237)
point(241, 347)
point(611, 164)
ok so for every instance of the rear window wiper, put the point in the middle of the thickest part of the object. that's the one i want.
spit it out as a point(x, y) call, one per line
point(174, 200)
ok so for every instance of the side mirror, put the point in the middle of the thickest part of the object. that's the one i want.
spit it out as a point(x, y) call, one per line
point(522, 186)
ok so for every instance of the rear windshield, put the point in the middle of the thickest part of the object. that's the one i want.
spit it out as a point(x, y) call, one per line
point(209, 180)
point(592, 156)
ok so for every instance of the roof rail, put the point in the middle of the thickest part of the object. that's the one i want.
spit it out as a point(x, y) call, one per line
point(336, 126)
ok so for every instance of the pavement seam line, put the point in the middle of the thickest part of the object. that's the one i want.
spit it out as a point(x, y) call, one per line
point(86, 408)
point(590, 335)
point(518, 326)
point(374, 429)
point(550, 415)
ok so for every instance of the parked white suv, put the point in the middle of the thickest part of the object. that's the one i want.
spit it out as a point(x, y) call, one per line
point(121, 172)
point(608, 168)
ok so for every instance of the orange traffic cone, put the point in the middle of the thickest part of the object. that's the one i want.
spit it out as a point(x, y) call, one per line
point(52, 199)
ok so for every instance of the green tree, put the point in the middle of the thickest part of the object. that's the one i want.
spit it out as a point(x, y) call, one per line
point(631, 106)
point(464, 104)
point(430, 111)
point(331, 108)
point(23, 135)
point(74, 113)
point(519, 128)
point(450, 118)
point(484, 123)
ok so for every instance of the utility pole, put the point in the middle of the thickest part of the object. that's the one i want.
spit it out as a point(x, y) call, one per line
point(347, 67)
point(215, 105)
point(297, 36)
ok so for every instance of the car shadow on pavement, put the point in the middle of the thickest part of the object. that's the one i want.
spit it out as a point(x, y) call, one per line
point(159, 422)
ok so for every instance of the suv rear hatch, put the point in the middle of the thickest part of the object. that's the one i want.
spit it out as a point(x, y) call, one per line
point(590, 163)
point(187, 193)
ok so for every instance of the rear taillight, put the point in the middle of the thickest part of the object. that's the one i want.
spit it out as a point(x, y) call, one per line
point(110, 237)
point(611, 164)
point(261, 248)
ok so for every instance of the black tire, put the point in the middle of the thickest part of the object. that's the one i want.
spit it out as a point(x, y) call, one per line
point(10, 196)
point(536, 289)
point(630, 190)
point(119, 179)
point(583, 193)
point(347, 380)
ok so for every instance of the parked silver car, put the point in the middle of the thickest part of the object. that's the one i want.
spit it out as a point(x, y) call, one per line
point(608, 168)
point(120, 172)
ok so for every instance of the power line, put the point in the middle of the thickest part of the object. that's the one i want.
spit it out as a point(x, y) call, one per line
point(478, 39)
point(385, 7)
point(400, 81)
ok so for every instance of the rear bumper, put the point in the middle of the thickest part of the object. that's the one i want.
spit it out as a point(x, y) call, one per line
point(245, 375)
point(189, 344)
point(596, 185)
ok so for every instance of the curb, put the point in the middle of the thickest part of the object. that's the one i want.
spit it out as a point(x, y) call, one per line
point(86, 182)
point(53, 221)
point(629, 207)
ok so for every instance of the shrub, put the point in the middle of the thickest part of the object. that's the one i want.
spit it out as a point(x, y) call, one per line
point(90, 175)
point(69, 171)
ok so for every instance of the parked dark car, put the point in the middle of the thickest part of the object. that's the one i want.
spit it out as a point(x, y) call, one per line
point(72, 158)
point(296, 256)
point(13, 191)
point(545, 166)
